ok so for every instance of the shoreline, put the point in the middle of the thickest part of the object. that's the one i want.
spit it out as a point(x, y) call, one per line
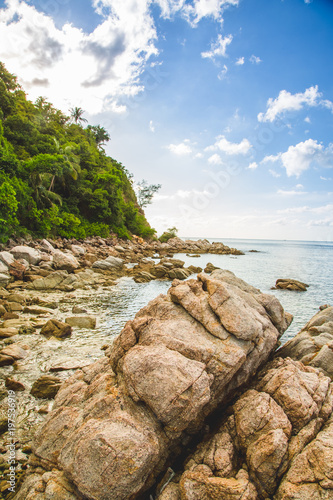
point(42, 363)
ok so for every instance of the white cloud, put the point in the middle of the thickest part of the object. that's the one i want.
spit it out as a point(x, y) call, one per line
point(255, 60)
point(307, 119)
point(73, 68)
point(223, 73)
point(151, 126)
point(274, 173)
point(215, 159)
point(204, 8)
point(286, 101)
point(253, 166)
point(97, 71)
point(180, 149)
point(292, 192)
point(240, 61)
point(230, 148)
point(218, 48)
point(298, 158)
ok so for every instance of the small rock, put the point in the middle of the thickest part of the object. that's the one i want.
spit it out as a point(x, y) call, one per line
point(4, 279)
point(179, 273)
point(210, 268)
point(9, 315)
point(17, 270)
point(46, 387)
point(37, 310)
point(5, 333)
point(81, 321)
point(56, 328)
point(143, 277)
point(14, 385)
point(78, 310)
point(290, 284)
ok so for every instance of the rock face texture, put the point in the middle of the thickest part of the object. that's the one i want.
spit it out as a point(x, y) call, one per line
point(276, 442)
point(313, 345)
point(117, 423)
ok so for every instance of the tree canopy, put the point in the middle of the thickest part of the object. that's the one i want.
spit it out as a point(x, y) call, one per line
point(55, 178)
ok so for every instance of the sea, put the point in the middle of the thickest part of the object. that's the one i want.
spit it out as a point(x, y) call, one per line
point(263, 262)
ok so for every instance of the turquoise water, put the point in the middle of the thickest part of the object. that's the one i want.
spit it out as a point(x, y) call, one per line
point(310, 262)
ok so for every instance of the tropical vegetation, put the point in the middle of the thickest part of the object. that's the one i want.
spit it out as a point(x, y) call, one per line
point(55, 178)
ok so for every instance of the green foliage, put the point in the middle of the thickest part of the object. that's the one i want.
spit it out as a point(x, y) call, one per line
point(146, 192)
point(8, 208)
point(169, 233)
point(55, 178)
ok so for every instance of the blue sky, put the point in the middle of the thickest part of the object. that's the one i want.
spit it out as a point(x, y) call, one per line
point(226, 103)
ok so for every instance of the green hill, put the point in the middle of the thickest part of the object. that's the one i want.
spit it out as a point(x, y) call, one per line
point(55, 178)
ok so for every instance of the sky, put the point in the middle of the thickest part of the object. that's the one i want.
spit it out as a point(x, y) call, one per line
point(228, 104)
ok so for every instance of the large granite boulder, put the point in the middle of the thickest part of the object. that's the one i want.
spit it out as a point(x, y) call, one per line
point(274, 442)
point(313, 345)
point(109, 264)
point(65, 261)
point(116, 423)
point(29, 254)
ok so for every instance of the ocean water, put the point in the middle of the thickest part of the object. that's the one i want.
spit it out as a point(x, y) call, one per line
point(307, 261)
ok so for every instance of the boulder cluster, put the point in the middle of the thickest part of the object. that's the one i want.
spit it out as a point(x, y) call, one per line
point(194, 400)
point(188, 404)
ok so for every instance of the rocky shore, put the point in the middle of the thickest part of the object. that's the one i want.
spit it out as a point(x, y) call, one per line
point(194, 400)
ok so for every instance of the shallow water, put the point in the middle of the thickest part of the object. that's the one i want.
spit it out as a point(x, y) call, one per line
point(310, 262)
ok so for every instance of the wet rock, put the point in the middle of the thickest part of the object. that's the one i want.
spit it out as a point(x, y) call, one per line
point(109, 264)
point(81, 321)
point(158, 271)
point(210, 268)
point(46, 387)
point(195, 269)
point(14, 385)
point(65, 261)
point(29, 254)
point(313, 345)
point(290, 284)
point(56, 328)
point(143, 277)
point(112, 430)
point(179, 273)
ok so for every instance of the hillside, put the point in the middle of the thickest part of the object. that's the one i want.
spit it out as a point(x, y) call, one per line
point(55, 178)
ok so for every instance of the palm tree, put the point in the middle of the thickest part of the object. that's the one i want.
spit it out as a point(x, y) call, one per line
point(76, 115)
point(100, 134)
